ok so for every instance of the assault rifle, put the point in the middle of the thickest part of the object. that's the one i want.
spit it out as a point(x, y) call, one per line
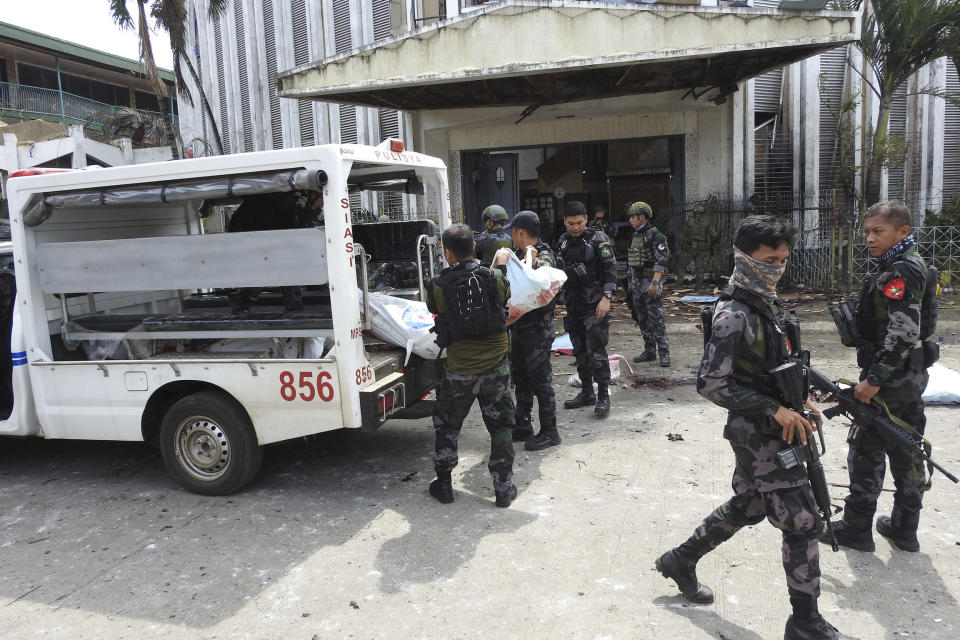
point(790, 380)
point(873, 416)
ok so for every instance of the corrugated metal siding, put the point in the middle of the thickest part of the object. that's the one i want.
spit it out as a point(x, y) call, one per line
point(222, 87)
point(270, 46)
point(767, 4)
point(833, 67)
point(773, 148)
point(381, 19)
point(898, 128)
point(301, 55)
point(951, 140)
point(246, 120)
point(390, 203)
point(343, 41)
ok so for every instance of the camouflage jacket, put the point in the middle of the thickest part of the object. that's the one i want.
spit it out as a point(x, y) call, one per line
point(698, 232)
point(594, 250)
point(601, 224)
point(888, 315)
point(489, 242)
point(736, 360)
point(545, 258)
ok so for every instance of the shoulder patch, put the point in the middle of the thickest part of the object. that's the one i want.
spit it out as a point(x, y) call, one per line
point(895, 289)
point(606, 251)
point(661, 246)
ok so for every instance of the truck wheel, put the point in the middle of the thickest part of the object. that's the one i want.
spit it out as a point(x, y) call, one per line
point(209, 444)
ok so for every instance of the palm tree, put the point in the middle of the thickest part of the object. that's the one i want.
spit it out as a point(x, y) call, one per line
point(170, 15)
point(900, 37)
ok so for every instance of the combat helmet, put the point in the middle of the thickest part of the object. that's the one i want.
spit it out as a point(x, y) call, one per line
point(640, 207)
point(495, 212)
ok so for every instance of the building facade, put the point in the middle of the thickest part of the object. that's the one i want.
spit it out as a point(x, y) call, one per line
point(542, 131)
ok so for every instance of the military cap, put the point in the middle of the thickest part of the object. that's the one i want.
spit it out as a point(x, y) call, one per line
point(526, 220)
point(495, 212)
point(575, 208)
point(640, 207)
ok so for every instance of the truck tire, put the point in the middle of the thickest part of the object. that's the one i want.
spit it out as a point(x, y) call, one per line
point(209, 445)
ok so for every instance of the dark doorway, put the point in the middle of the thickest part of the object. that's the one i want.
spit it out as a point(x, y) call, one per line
point(488, 178)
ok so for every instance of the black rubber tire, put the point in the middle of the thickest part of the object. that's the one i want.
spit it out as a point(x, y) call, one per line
point(209, 445)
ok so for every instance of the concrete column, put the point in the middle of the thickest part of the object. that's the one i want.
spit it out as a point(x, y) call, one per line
point(810, 107)
point(79, 158)
point(793, 120)
point(935, 135)
point(749, 140)
point(737, 136)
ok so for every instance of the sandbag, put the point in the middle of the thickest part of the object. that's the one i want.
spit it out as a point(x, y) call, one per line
point(404, 323)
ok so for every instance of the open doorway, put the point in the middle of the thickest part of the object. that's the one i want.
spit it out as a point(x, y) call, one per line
point(610, 174)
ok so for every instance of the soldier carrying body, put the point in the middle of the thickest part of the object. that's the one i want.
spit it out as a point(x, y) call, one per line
point(647, 259)
point(531, 339)
point(747, 340)
point(470, 302)
point(586, 256)
point(896, 314)
point(495, 237)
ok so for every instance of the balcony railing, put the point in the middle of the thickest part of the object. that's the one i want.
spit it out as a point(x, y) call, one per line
point(51, 104)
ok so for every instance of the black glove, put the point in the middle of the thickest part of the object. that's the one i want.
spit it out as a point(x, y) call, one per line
point(576, 270)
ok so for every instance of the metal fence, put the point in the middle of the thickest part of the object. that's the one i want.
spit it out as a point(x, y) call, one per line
point(37, 102)
point(829, 255)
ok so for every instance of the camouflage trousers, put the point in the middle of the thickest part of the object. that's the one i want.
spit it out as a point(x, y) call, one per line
point(762, 490)
point(649, 310)
point(532, 371)
point(454, 400)
point(589, 337)
point(867, 458)
point(697, 253)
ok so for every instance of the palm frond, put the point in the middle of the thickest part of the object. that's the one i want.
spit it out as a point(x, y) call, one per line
point(120, 15)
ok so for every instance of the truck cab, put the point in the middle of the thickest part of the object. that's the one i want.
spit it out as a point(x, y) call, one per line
point(123, 316)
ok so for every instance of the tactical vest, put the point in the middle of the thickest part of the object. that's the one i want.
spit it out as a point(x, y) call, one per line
point(872, 307)
point(641, 252)
point(495, 240)
point(473, 310)
point(769, 350)
point(580, 249)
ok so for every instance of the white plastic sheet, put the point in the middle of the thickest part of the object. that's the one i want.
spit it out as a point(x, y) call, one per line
point(943, 387)
point(405, 323)
point(530, 288)
point(615, 371)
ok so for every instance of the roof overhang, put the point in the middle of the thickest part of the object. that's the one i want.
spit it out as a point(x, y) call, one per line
point(537, 52)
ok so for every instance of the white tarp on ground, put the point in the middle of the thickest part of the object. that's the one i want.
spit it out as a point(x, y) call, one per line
point(943, 387)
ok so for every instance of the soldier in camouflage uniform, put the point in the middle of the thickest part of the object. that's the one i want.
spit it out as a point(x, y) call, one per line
point(698, 237)
point(746, 340)
point(495, 237)
point(470, 302)
point(600, 222)
point(894, 357)
point(531, 339)
point(647, 259)
point(586, 256)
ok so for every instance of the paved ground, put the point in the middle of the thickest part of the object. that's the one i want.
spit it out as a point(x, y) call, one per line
point(337, 538)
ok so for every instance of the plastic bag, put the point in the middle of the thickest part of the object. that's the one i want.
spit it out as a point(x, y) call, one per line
point(405, 323)
point(943, 387)
point(615, 372)
point(530, 288)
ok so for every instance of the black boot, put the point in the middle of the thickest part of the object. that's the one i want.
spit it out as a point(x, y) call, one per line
point(523, 429)
point(648, 355)
point(683, 571)
point(583, 399)
point(442, 487)
point(505, 497)
point(602, 407)
point(546, 438)
point(850, 537)
point(806, 623)
point(903, 536)
point(664, 358)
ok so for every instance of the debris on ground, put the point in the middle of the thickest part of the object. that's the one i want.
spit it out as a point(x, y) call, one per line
point(660, 383)
point(674, 437)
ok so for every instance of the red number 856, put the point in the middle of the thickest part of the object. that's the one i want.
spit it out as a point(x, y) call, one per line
point(309, 389)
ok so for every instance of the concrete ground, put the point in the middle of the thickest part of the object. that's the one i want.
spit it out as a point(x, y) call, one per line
point(337, 537)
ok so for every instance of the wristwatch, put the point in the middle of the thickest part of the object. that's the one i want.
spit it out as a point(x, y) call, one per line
point(608, 295)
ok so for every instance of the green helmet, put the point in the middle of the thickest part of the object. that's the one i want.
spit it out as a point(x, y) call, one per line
point(640, 207)
point(496, 213)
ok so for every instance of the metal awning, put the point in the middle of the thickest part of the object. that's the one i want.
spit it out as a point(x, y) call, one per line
point(537, 52)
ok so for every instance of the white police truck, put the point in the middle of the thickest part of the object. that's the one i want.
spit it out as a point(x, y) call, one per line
point(116, 313)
